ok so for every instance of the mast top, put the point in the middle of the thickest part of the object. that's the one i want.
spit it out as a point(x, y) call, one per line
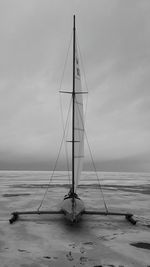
point(74, 18)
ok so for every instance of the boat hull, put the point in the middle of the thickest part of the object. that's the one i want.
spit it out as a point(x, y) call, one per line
point(73, 209)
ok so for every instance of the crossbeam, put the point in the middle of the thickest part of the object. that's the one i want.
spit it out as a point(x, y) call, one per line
point(128, 216)
point(15, 215)
point(95, 212)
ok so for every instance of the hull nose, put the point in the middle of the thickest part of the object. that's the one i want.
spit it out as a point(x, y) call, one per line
point(73, 218)
point(72, 212)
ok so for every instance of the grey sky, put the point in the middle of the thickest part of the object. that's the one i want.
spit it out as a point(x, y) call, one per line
point(114, 38)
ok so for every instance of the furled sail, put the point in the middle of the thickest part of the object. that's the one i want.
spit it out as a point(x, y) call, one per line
point(78, 124)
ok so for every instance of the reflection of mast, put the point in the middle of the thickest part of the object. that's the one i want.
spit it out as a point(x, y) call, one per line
point(73, 106)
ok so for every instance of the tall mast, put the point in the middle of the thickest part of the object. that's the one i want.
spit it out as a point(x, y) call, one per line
point(73, 104)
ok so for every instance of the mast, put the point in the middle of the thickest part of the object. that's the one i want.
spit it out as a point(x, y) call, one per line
point(73, 106)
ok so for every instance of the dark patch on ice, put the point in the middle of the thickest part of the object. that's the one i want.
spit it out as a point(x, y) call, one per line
point(141, 245)
point(16, 195)
point(23, 250)
point(88, 243)
point(47, 257)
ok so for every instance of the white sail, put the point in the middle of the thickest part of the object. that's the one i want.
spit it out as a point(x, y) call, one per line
point(79, 123)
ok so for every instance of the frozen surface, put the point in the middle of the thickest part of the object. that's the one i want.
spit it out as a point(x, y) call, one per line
point(50, 240)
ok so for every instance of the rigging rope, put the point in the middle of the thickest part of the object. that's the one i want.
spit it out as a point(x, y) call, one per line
point(106, 208)
point(93, 161)
point(64, 131)
point(41, 203)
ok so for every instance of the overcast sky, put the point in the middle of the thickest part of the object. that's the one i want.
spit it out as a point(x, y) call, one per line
point(114, 38)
